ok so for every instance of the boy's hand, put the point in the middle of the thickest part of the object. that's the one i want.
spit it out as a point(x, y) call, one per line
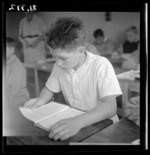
point(33, 103)
point(65, 128)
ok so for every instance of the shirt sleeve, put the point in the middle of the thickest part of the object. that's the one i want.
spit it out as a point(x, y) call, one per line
point(53, 83)
point(107, 81)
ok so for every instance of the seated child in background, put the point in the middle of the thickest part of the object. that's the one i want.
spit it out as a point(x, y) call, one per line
point(133, 61)
point(15, 76)
point(15, 91)
point(104, 45)
point(83, 78)
point(130, 44)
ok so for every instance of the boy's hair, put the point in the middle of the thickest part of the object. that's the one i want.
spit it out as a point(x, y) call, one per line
point(98, 33)
point(66, 32)
point(10, 42)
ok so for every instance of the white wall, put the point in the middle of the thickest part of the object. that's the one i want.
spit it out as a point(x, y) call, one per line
point(93, 20)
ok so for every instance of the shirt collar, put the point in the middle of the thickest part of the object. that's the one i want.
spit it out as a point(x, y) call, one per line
point(86, 62)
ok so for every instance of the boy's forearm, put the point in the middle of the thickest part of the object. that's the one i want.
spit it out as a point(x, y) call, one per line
point(45, 95)
point(101, 112)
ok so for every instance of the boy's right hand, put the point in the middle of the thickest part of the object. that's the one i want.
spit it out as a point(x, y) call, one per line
point(33, 103)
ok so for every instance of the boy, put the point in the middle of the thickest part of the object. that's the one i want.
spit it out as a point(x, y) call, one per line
point(15, 90)
point(88, 81)
point(104, 45)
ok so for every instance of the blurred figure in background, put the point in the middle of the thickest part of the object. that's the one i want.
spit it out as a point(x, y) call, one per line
point(133, 61)
point(131, 43)
point(32, 35)
point(133, 113)
point(104, 45)
point(129, 50)
point(133, 110)
point(16, 93)
point(15, 75)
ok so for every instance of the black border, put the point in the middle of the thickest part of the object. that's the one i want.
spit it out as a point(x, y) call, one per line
point(98, 6)
point(90, 7)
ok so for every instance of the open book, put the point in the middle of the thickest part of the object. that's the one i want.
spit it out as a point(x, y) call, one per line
point(49, 114)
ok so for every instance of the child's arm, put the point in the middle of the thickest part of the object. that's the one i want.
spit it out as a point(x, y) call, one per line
point(106, 109)
point(69, 127)
point(44, 97)
point(109, 47)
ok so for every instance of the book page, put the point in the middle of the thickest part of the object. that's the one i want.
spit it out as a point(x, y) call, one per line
point(43, 112)
point(46, 124)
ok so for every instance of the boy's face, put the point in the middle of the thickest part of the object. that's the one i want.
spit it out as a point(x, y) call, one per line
point(99, 39)
point(65, 59)
point(9, 51)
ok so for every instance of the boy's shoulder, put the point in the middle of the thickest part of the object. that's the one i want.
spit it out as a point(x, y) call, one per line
point(96, 60)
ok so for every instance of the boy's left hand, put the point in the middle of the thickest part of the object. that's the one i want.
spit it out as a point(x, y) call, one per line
point(65, 128)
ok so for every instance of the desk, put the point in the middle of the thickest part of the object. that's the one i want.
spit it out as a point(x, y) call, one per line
point(37, 136)
point(47, 67)
point(127, 85)
point(24, 132)
point(123, 131)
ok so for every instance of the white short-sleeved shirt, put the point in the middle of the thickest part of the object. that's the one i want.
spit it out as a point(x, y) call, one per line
point(84, 87)
point(35, 27)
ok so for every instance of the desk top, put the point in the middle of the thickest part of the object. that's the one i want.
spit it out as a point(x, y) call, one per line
point(48, 66)
point(25, 132)
point(124, 131)
point(37, 137)
point(129, 77)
